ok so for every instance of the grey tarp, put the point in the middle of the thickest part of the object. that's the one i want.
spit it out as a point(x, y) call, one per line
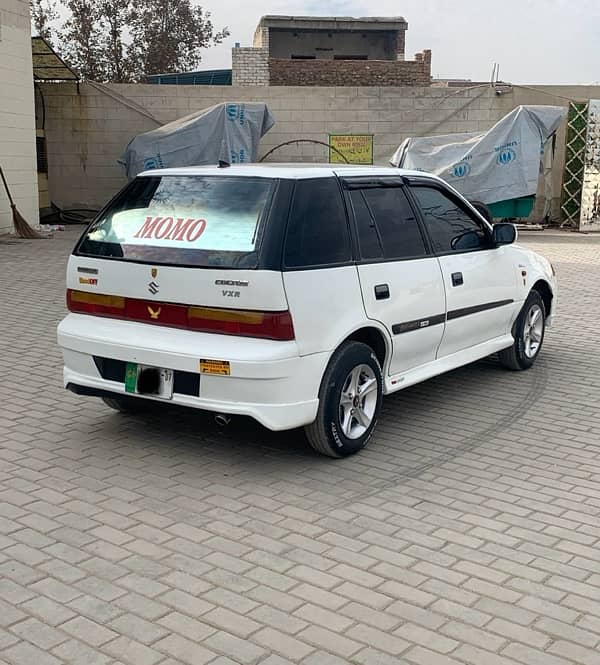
point(225, 132)
point(500, 164)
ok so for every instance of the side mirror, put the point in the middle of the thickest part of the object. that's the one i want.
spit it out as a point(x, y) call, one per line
point(504, 234)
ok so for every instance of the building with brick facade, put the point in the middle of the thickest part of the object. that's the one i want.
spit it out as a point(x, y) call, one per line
point(329, 51)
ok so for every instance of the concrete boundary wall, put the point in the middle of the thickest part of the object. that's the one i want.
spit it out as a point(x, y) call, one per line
point(87, 132)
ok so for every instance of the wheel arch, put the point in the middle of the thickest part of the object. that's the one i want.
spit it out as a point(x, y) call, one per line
point(546, 293)
point(371, 334)
point(374, 337)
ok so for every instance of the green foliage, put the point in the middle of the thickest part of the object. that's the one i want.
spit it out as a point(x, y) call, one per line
point(122, 41)
point(43, 13)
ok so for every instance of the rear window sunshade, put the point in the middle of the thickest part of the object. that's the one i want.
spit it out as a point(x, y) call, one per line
point(203, 221)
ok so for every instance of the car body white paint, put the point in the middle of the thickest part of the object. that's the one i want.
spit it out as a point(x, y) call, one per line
point(277, 382)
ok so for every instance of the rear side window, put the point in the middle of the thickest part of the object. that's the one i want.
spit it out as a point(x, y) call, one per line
point(317, 233)
point(450, 227)
point(183, 220)
point(387, 226)
point(369, 239)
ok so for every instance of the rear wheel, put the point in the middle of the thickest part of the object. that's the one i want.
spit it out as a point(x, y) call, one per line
point(528, 332)
point(349, 402)
point(124, 404)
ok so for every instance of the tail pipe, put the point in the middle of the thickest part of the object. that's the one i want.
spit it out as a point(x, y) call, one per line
point(222, 419)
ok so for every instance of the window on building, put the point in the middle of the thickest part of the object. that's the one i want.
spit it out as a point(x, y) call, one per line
point(42, 155)
point(350, 57)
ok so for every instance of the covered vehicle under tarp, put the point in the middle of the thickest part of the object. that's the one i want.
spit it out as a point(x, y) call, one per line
point(497, 165)
point(227, 132)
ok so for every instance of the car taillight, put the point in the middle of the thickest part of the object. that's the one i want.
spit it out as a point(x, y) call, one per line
point(269, 325)
point(95, 303)
point(246, 323)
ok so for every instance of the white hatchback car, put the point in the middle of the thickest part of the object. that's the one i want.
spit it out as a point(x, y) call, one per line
point(295, 294)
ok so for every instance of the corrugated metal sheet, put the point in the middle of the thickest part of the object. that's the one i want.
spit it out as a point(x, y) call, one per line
point(206, 77)
point(47, 64)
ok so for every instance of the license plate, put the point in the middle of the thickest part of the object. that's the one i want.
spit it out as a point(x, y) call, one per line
point(146, 380)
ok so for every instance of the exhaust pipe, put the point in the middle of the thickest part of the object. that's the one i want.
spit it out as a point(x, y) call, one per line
point(222, 419)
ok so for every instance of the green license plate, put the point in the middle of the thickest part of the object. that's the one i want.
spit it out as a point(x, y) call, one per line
point(131, 373)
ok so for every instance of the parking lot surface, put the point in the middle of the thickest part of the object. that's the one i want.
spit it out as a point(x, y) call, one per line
point(467, 532)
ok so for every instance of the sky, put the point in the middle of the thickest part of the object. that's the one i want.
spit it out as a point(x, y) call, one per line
point(534, 41)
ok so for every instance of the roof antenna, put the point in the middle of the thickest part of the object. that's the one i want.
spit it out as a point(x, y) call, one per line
point(223, 164)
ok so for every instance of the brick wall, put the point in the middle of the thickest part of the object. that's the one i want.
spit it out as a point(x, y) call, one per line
point(250, 66)
point(352, 72)
point(17, 120)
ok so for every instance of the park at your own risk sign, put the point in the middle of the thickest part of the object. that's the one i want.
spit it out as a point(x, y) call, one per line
point(356, 148)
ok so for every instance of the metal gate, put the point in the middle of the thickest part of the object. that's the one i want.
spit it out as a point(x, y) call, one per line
point(574, 163)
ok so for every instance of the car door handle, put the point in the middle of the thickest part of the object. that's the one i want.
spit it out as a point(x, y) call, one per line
point(457, 279)
point(382, 291)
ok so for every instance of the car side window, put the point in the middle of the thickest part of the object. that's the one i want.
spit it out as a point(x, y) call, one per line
point(450, 228)
point(317, 233)
point(386, 224)
point(368, 235)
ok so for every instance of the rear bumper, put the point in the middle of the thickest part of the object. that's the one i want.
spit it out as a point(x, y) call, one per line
point(269, 381)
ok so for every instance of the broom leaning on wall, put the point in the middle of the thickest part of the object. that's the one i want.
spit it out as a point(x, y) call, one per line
point(22, 228)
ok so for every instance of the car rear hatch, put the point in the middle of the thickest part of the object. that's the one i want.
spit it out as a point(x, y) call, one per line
point(183, 251)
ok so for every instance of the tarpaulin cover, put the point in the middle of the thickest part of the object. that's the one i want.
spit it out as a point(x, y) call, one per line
point(225, 132)
point(500, 164)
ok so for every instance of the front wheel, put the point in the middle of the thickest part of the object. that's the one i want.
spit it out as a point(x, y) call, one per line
point(349, 402)
point(528, 331)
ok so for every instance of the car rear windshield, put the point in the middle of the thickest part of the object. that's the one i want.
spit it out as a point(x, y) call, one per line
point(209, 221)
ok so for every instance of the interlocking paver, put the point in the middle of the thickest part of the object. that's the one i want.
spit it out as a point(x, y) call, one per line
point(74, 651)
point(282, 644)
point(476, 636)
point(7, 639)
point(88, 631)
point(24, 653)
point(194, 629)
point(138, 629)
point(184, 650)
point(38, 633)
point(135, 653)
point(529, 656)
point(240, 650)
point(287, 622)
point(467, 532)
point(391, 643)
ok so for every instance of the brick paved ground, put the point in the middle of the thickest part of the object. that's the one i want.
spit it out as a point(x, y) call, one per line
point(468, 532)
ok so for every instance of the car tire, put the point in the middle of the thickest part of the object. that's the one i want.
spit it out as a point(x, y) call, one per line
point(528, 332)
point(124, 404)
point(346, 416)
